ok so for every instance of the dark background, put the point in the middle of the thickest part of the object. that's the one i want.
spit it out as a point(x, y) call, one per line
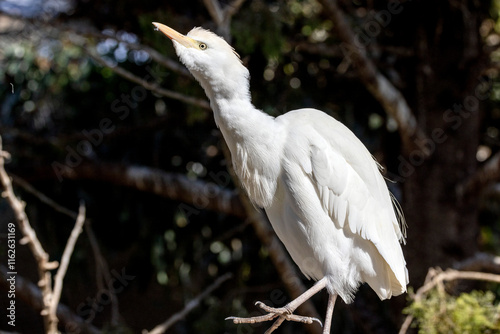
point(151, 169)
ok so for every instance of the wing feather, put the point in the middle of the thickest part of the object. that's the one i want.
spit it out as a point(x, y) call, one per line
point(352, 190)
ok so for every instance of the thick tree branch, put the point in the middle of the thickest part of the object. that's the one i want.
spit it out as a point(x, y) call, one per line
point(192, 304)
point(60, 140)
point(200, 194)
point(379, 86)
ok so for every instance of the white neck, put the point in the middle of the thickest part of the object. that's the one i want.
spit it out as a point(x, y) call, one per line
point(252, 137)
point(234, 112)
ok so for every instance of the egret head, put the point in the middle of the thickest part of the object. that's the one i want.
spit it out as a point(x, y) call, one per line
point(211, 60)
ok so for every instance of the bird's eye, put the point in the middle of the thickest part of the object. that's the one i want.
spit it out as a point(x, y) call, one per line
point(202, 46)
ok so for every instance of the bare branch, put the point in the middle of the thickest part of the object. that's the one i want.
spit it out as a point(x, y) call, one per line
point(192, 304)
point(222, 17)
point(30, 238)
point(379, 86)
point(232, 8)
point(18, 207)
point(43, 198)
point(200, 194)
point(61, 271)
point(50, 295)
point(86, 31)
point(103, 275)
point(436, 277)
point(82, 41)
point(32, 295)
point(168, 63)
point(215, 11)
point(146, 84)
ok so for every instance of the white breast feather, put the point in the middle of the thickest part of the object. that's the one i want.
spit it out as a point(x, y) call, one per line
point(259, 184)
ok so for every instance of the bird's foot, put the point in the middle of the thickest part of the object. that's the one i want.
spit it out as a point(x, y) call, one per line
point(282, 313)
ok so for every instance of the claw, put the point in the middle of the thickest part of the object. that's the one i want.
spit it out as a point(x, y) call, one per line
point(284, 313)
point(253, 320)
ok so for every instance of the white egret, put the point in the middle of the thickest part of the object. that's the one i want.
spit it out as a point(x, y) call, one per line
point(320, 187)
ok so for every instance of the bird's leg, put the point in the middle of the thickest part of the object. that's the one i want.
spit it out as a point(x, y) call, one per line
point(329, 313)
point(285, 312)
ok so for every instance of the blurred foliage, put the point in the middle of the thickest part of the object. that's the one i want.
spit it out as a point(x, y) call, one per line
point(477, 312)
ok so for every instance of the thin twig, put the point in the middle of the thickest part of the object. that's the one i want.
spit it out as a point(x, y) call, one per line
point(32, 296)
point(168, 63)
point(146, 84)
point(161, 328)
point(103, 275)
point(18, 206)
point(435, 278)
point(50, 295)
point(88, 31)
point(42, 197)
point(61, 271)
point(30, 238)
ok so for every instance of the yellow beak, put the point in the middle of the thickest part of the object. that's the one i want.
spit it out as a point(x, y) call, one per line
point(176, 36)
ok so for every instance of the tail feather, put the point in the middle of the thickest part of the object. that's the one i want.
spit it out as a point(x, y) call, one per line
point(385, 283)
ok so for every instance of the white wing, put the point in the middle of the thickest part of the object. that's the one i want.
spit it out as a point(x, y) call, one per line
point(350, 187)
